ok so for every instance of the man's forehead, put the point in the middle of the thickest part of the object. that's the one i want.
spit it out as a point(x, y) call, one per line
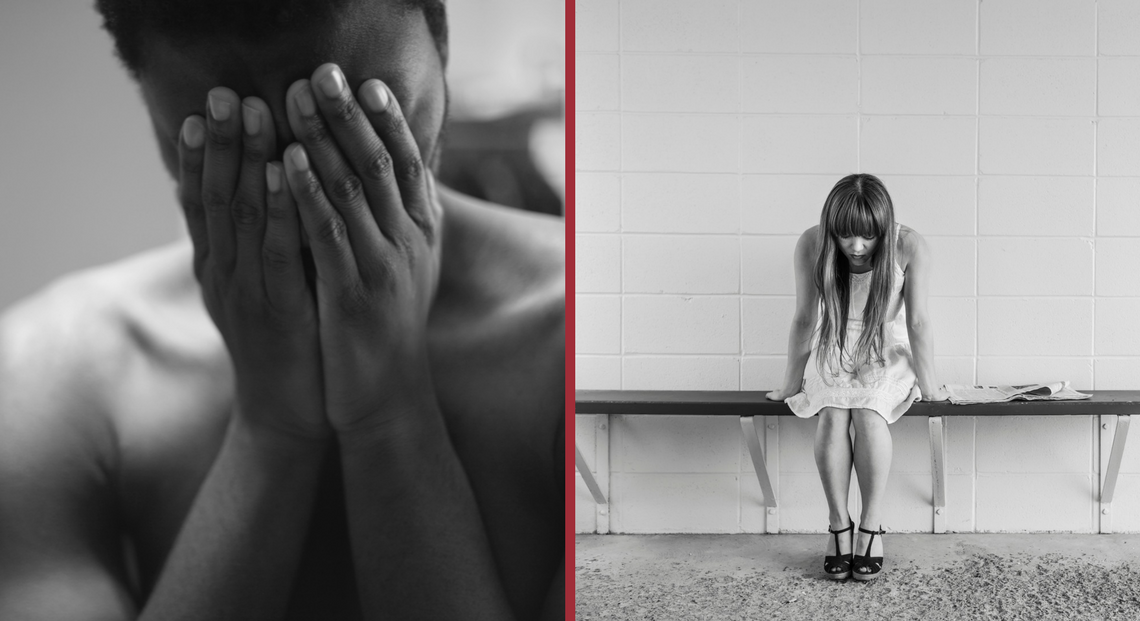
point(389, 45)
point(395, 46)
point(375, 42)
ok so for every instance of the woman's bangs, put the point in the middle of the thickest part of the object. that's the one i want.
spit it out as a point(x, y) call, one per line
point(855, 218)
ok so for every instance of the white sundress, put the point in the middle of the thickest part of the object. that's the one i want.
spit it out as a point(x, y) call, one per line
point(888, 389)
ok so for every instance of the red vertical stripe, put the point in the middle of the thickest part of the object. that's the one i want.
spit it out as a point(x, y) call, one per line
point(569, 106)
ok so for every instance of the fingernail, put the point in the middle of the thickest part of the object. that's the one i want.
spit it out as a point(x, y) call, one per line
point(305, 103)
point(332, 83)
point(375, 96)
point(192, 133)
point(300, 159)
point(219, 108)
point(251, 119)
point(273, 178)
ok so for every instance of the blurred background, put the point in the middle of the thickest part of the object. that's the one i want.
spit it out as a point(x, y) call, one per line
point(80, 175)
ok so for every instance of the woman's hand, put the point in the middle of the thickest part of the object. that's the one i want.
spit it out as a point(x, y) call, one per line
point(366, 202)
point(779, 394)
point(938, 394)
point(247, 257)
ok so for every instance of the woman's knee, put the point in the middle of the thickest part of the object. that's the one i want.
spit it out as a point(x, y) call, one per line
point(834, 418)
point(868, 420)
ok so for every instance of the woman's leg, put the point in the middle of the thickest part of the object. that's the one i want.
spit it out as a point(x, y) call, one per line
point(873, 450)
point(833, 458)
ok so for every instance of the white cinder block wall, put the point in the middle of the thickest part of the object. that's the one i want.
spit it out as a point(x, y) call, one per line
point(708, 135)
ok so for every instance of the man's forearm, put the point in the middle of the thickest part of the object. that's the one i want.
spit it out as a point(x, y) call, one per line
point(419, 545)
point(238, 550)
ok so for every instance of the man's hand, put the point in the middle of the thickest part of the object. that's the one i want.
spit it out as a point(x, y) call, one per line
point(366, 201)
point(247, 256)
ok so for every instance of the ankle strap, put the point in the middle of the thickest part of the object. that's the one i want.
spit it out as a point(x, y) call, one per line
point(836, 532)
point(872, 533)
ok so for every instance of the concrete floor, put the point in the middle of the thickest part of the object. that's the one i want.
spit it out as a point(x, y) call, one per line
point(951, 576)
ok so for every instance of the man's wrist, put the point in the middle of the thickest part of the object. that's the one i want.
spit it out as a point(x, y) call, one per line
point(393, 412)
point(277, 440)
point(397, 424)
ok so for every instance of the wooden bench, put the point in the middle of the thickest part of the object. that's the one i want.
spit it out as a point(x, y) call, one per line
point(1114, 407)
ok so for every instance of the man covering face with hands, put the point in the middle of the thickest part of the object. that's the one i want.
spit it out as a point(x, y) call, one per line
point(339, 397)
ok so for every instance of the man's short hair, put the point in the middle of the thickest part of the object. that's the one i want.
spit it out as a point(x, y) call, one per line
point(247, 20)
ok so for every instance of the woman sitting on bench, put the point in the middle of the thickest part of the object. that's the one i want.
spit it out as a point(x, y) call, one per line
point(855, 272)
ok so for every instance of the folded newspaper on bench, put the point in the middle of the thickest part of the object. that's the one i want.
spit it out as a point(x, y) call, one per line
point(1057, 391)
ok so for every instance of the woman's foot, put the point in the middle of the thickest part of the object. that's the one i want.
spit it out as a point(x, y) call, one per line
point(837, 561)
point(868, 559)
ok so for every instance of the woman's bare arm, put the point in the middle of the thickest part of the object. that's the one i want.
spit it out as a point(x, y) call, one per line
point(803, 322)
point(918, 322)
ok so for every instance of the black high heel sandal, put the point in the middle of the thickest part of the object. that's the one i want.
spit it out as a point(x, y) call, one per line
point(838, 567)
point(871, 565)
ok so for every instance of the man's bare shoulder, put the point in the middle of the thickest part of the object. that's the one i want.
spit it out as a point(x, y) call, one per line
point(65, 348)
point(57, 349)
point(50, 339)
point(502, 259)
point(500, 316)
point(61, 350)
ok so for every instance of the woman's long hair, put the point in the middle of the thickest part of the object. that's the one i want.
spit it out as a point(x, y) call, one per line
point(858, 205)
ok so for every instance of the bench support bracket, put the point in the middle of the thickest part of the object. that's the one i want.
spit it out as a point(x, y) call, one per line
point(938, 471)
point(588, 477)
point(602, 460)
point(1110, 470)
point(760, 463)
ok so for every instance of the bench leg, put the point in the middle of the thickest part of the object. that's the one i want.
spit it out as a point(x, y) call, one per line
point(588, 477)
point(1112, 470)
point(772, 460)
point(752, 438)
point(938, 472)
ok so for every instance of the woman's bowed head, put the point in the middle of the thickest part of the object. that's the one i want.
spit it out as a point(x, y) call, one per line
point(855, 217)
point(860, 352)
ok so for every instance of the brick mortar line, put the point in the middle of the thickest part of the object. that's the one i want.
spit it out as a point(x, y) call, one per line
point(621, 194)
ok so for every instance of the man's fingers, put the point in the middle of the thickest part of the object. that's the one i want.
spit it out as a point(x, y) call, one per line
point(386, 117)
point(365, 153)
point(190, 157)
point(326, 229)
point(281, 252)
point(220, 172)
point(248, 205)
point(343, 189)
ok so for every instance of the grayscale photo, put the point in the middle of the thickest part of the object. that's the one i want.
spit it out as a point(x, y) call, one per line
point(282, 310)
point(856, 309)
